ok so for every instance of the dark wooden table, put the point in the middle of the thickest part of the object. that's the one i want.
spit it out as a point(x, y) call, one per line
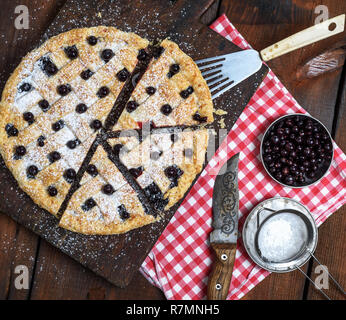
point(53, 275)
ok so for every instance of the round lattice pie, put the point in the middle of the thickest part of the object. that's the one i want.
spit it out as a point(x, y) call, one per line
point(103, 130)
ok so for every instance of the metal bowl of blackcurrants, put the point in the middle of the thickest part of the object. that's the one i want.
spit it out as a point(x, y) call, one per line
point(297, 150)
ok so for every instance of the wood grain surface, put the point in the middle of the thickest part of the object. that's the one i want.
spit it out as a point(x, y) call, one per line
point(53, 275)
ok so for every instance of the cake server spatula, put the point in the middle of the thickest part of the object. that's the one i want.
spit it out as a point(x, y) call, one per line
point(226, 71)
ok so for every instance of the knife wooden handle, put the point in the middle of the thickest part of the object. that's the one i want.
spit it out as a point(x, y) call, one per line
point(221, 273)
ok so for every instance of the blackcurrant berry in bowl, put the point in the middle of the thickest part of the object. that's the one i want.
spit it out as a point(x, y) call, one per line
point(296, 150)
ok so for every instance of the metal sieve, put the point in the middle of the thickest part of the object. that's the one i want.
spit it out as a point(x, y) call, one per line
point(271, 248)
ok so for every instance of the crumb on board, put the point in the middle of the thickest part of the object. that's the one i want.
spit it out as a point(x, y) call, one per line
point(220, 112)
point(222, 123)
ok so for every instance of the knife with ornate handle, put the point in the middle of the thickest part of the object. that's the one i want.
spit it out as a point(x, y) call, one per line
point(223, 238)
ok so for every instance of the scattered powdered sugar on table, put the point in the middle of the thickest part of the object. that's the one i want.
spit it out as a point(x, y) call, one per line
point(282, 237)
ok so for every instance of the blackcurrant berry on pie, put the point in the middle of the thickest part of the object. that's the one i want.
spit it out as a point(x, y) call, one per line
point(123, 213)
point(174, 137)
point(142, 55)
point(44, 105)
point(40, 141)
point(131, 106)
point(186, 93)
point(173, 173)
point(81, 108)
point(52, 191)
point(174, 68)
point(117, 148)
point(155, 155)
point(86, 74)
point(136, 172)
point(108, 189)
point(92, 170)
point(88, 204)
point(123, 74)
point(70, 175)
point(150, 90)
point(32, 172)
point(199, 118)
point(71, 52)
point(107, 54)
point(155, 196)
point(157, 51)
point(92, 40)
point(11, 130)
point(72, 144)
point(103, 92)
point(58, 125)
point(25, 87)
point(96, 124)
point(29, 117)
point(188, 153)
point(48, 66)
point(166, 109)
point(64, 89)
point(19, 151)
point(54, 156)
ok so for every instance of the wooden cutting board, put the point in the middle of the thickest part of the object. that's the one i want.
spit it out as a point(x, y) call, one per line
point(117, 257)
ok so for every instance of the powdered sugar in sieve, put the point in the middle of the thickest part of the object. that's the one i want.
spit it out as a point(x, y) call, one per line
point(282, 237)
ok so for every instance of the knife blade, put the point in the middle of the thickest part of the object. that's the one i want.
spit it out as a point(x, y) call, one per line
point(223, 239)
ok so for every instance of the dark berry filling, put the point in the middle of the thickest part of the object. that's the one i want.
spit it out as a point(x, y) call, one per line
point(92, 170)
point(123, 74)
point(166, 109)
point(117, 149)
point(71, 52)
point(86, 74)
point(142, 55)
point(88, 204)
point(108, 189)
point(96, 124)
point(123, 213)
point(72, 144)
point(25, 87)
point(11, 130)
point(29, 117)
point(199, 118)
point(52, 191)
point(107, 55)
point(64, 89)
point(103, 92)
point(155, 196)
point(92, 40)
point(70, 175)
point(186, 93)
point(54, 156)
point(173, 173)
point(136, 172)
point(58, 125)
point(44, 105)
point(174, 69)
point(40, 141)
point(19, 152)
point(157, 51)
point(48, 66)
point(150, 90)
point(31, 172)
point(81, 108)
point(131, 106)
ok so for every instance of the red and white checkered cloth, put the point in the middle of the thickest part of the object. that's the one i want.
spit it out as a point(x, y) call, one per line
point(180, 261)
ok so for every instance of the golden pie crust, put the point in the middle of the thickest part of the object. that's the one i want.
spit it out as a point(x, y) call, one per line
point(47, 134)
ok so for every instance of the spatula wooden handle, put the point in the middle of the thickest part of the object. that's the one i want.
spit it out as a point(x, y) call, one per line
point(221, 273)
point(307, 36)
